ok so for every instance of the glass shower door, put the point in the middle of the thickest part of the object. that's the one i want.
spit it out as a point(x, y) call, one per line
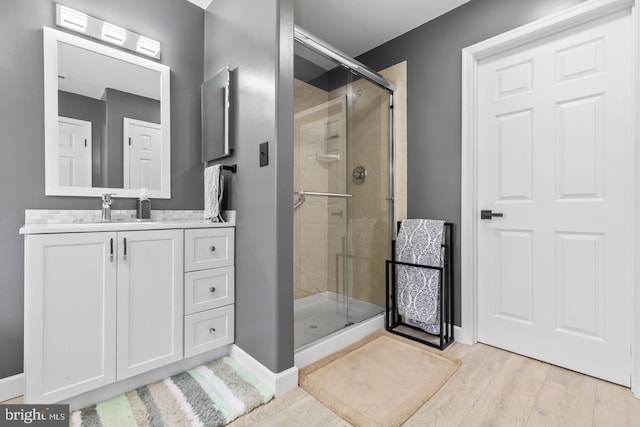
point(341, 197)
point(369, 182)
point(321, 199)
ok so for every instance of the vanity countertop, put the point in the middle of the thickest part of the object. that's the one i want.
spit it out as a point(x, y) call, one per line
point(119, 226)
point(44, 221)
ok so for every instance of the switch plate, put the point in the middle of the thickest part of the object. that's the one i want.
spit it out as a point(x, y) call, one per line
point(264, 154)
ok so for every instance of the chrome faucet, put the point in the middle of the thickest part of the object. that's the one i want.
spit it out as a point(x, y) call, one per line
point(106, 207)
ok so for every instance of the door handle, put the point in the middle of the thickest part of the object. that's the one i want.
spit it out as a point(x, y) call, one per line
point(489, 214)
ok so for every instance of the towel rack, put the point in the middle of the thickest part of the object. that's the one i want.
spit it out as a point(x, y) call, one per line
point(394, 323)
point(231, 168)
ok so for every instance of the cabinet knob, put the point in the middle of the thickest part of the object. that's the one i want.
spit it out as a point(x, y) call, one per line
point(212, 330)
point(212, 289)
point(212, 248)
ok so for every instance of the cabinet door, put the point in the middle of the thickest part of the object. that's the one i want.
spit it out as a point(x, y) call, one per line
point(150, 300)
point(70, 324)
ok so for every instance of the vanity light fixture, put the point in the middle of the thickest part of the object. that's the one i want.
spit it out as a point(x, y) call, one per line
point(98, 29)
point(71, 19)
point(148, 46)
point(113, 34)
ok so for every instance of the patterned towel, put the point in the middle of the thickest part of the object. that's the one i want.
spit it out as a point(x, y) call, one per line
point(213, 191)
point(420, 242)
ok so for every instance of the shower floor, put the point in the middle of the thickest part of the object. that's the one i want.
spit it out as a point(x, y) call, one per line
point(319, 315)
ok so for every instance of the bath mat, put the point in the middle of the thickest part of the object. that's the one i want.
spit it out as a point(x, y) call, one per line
point(210, 395)
point(379, 381)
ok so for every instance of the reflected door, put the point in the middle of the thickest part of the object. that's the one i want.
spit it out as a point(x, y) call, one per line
point(142, 154)
point(74, 152)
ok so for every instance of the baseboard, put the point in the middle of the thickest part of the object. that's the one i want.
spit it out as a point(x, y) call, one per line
point(123, 386)
point(337, 341)
point(457, 334)
point(11, 387)
point(279, 383)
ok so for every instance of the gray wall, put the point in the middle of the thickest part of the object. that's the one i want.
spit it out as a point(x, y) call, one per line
point(179, 26)
point(92, 110)
point(118, 106)
point(258, 46)
point(432, 52)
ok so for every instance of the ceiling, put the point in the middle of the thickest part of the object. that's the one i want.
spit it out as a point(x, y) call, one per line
point(357, 26)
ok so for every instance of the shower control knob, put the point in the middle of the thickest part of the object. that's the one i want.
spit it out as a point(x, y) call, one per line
point(359, 174)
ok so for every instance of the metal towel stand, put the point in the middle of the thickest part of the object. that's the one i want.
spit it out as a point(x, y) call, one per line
point(394, 323)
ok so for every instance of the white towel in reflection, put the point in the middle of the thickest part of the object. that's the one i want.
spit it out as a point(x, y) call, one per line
point(213, 191)
point(420, 242)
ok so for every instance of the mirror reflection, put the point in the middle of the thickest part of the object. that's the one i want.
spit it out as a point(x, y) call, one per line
point(113, 108)
point(106, 120)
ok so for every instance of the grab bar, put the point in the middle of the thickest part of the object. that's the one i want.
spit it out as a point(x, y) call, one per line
point(302, 199)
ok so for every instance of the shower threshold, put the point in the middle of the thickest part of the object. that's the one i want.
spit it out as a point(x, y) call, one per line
point(319, 315)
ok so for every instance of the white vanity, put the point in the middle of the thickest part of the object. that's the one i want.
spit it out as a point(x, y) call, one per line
point(108, 302)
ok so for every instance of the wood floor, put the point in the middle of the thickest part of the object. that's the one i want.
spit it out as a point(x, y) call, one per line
point(492, 387)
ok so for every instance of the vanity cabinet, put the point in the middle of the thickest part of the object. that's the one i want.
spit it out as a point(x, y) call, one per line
point(209, 289)
point(100, 307)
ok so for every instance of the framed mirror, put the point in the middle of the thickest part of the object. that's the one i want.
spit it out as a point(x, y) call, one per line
point(107, 120)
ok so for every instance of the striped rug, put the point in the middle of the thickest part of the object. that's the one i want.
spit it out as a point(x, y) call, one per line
point(209, 395)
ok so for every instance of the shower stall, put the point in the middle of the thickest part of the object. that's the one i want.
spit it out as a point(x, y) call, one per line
point(343, 190)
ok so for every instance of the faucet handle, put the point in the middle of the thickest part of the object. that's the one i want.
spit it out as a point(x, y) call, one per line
point(106, 197)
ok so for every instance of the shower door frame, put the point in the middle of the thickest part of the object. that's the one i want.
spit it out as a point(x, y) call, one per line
point(319, 46)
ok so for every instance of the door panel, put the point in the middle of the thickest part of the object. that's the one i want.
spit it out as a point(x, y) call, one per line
point(142, 154)
point(74, 152)
point(556, 158)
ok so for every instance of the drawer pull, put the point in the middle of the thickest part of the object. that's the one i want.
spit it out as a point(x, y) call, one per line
point(212, 330)
point(212, 248)
point(212, 289)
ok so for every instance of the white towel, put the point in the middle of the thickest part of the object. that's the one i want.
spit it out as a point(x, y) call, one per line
point(213, 191)
point(420, 242)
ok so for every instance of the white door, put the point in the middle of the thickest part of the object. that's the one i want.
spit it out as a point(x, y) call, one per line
point(556, 158)
point(74, 152)
point(70, 324)
point(142, 154)
point(150, 300)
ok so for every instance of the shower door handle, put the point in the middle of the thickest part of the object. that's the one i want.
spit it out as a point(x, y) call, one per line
point(323, 194)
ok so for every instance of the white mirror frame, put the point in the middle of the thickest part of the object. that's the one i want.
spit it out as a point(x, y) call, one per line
point(51, 38)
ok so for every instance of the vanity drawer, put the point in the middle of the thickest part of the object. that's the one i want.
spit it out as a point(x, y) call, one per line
point(208, 248)
point(208, 330)
point(207, 289)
